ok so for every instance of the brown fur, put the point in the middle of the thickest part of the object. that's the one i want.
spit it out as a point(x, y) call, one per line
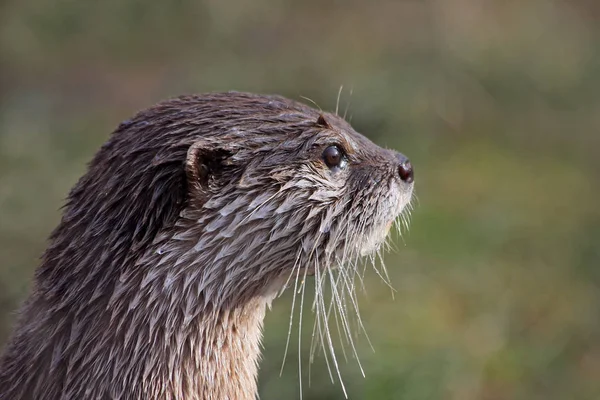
point(191, 218)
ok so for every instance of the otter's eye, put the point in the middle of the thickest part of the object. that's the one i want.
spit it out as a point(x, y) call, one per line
point(334, 157)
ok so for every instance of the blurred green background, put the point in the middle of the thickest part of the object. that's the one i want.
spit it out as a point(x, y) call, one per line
point(497, 103)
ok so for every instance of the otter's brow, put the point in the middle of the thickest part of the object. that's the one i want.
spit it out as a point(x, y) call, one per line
point(336, 138)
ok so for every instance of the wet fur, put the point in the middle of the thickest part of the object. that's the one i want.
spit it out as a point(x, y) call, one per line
point(189, 221)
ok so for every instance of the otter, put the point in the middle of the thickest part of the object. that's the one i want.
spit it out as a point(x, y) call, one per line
point(191, 218)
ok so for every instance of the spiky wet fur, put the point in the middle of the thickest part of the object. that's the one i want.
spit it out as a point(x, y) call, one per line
point(189, 221)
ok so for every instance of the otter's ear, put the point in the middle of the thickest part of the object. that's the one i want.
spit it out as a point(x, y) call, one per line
point(204, 160)
point(321, 121)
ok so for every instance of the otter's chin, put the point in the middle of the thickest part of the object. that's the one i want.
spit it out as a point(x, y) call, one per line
point(374, 241)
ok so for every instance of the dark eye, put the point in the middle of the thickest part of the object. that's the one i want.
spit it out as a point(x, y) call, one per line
point(334, 157)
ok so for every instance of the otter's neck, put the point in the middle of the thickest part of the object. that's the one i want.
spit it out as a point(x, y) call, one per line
point(226, 366)
point(214, 357)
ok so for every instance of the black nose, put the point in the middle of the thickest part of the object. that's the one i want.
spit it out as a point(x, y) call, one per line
point(405, 169)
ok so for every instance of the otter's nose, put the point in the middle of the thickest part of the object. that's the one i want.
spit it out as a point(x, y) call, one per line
point(405, 169)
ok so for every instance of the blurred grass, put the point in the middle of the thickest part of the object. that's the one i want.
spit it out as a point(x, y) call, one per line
point(495, 102)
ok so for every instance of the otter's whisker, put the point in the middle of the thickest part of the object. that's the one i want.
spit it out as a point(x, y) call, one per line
point(332, 351)
point(337, 323)
point(387, 276)
point(348, 103)
point(311, 351)
point(383, 278)
point(337, 103)
point(354, 302)
point(360, 275)
point(344, 265)
point(319, 317)
point(317, 340)
point(287, 343)
point(390, 245)
point(345, 323)
point(312, 101)
point(318, 297)
point(321, 305)
point(300, 330)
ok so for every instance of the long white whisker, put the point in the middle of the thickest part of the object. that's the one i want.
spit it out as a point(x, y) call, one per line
point(387, 276)
point(348, 103)
point(337, 103)
point(321, 304)
point(332, 350)
point(318, 296)
point(300, 330)
point(312, 101)
point(347, 327)
point(337, 317)
point(354, 302)
point(287, 343)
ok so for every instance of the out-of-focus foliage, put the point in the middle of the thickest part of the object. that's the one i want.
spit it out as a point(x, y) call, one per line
point(497, 103)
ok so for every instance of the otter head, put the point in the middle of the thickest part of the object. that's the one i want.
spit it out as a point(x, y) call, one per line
point(275, 188)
